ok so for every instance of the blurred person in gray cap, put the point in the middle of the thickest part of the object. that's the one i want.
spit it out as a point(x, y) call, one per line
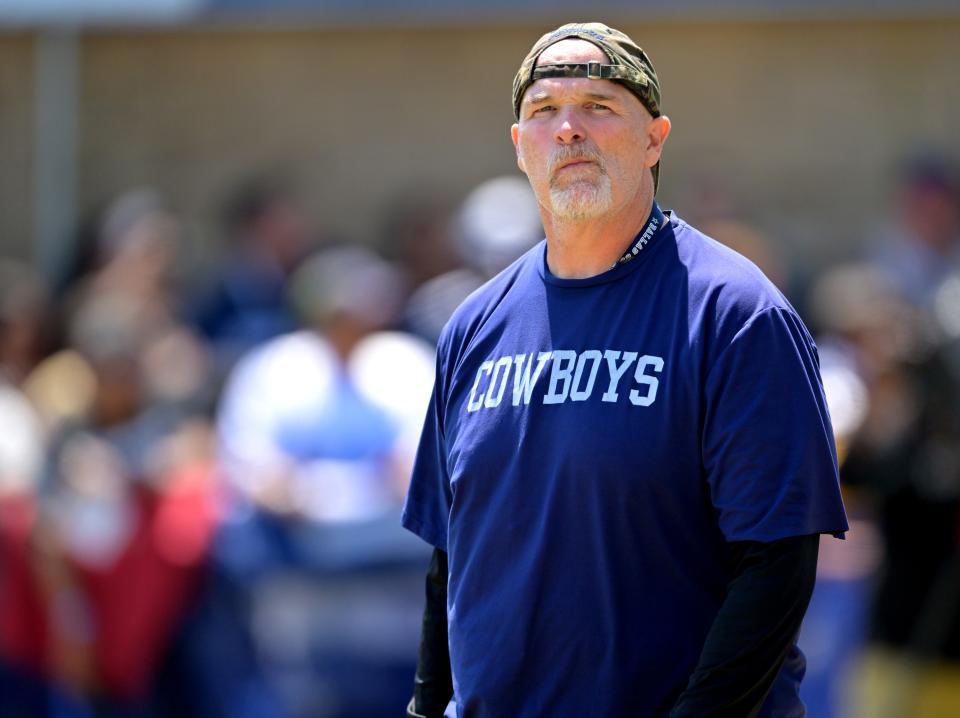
point(497, 222)
point(628, 460)
point(136, 259)
point(301, 430)
point(316, 430)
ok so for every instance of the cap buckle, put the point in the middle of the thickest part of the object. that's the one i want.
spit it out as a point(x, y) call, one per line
point(593, 70)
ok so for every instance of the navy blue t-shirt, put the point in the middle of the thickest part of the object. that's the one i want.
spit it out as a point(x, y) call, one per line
point(590, 447)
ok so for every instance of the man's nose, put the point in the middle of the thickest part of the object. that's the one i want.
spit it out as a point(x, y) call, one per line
point(569, 128)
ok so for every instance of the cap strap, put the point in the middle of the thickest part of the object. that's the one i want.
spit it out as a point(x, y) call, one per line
point(593, 71)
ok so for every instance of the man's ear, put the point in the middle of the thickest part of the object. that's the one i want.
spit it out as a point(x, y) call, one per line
point(657, 132)
point(515, 136)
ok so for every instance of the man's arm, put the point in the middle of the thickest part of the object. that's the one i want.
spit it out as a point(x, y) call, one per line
point(433, 684)
point(757, 624)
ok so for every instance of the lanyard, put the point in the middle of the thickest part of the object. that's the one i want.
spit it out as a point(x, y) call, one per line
point(655, 221)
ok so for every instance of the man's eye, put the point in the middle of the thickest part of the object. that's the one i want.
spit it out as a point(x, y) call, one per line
point(597, 106)
point(544, 109)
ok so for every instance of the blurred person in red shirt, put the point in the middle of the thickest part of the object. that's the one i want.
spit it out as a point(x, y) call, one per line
point(112, 553)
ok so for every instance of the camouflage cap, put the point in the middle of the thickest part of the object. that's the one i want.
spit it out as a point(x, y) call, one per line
point(629, 65)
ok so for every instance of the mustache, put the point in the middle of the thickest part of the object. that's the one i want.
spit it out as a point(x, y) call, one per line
point(569, 153)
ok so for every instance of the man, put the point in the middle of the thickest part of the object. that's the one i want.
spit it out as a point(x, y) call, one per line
point(628, 459)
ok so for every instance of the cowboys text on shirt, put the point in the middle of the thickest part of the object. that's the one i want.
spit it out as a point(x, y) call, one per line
point(573, 376)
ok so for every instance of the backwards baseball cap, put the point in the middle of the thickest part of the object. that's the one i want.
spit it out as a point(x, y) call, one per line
point(628, 65)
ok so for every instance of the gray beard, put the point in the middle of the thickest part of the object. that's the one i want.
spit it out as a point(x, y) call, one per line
point(581, 200)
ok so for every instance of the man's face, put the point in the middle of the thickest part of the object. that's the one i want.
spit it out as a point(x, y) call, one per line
point(585, 145)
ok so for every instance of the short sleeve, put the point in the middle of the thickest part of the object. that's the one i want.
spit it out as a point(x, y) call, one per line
point(427, 507)
point(768, 447)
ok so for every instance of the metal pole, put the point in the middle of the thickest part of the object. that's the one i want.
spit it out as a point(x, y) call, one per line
point(56, 54)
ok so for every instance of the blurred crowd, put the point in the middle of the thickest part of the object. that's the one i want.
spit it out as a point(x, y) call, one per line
point(201, 470)
point(889, 340)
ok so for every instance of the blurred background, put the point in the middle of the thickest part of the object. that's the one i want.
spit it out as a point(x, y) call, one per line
point(231, 230)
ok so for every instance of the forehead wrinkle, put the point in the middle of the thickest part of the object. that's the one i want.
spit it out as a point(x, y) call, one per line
point(600, 96)
point(537, 96)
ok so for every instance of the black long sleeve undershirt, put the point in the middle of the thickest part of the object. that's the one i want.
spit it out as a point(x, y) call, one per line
point(433, 684)
point(758, 622)
point(767, 596)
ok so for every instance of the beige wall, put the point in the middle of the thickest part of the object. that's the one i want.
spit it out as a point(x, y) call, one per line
point(804, 120)
point(16, 144)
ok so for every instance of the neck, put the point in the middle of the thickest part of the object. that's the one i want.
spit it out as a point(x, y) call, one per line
point(577, 249)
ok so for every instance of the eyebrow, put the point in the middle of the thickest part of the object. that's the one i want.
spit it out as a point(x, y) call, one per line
point(538, 98)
